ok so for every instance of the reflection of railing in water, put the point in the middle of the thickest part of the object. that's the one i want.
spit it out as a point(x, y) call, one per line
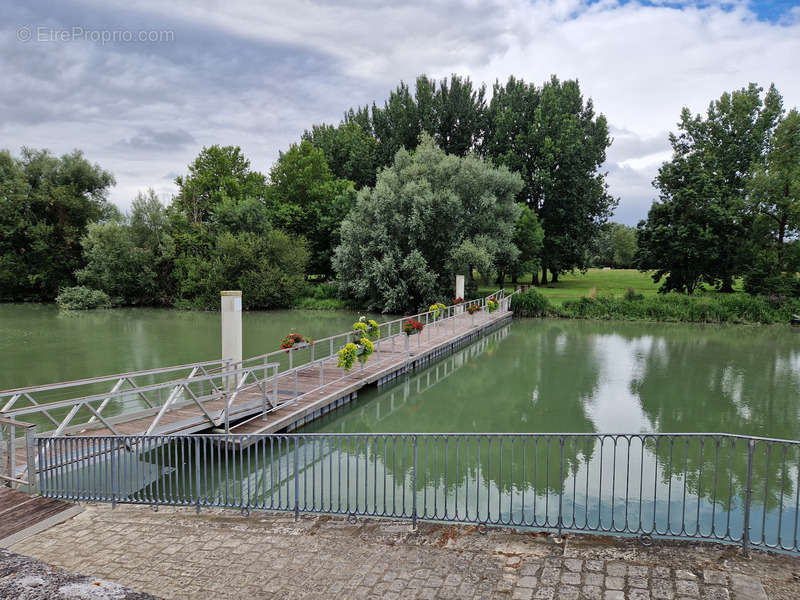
point(715, 487)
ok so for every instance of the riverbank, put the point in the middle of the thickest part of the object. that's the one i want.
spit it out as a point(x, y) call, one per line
point(271, 555)
point(736, 308)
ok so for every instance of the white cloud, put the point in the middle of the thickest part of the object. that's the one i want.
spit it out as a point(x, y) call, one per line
point(257, 74)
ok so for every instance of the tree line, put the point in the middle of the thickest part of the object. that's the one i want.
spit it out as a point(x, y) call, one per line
point(729, 199)
point(455, 183)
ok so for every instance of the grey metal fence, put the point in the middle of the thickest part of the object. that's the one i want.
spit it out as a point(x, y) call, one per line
point(716, 487)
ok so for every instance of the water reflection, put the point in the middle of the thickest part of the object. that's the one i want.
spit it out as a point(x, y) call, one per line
point(547, 377)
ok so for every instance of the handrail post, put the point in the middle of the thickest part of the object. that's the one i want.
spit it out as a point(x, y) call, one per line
point(30, 454)
point(227, 414)
point(5, 461)
point(751, 446)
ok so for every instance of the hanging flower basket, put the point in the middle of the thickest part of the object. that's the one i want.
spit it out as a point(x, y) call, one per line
point(412, 327)
point(473, 308)
point(492, 305)
point(366, 328)
point(360, 350)
point(437, 311)
point(458, 300)
point(294, 340)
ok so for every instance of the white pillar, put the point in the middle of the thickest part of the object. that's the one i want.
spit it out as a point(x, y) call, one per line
point(231, 304)
point(460, 287)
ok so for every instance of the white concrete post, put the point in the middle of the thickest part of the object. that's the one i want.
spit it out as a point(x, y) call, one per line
point(231, 304)
point(460, 287)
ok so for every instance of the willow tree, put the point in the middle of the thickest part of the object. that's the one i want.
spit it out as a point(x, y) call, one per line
point(430, 215)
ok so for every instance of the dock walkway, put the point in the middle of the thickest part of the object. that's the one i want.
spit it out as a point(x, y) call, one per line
point(274, 392)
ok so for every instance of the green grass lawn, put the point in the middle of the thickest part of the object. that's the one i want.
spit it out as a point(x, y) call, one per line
point(576, 285)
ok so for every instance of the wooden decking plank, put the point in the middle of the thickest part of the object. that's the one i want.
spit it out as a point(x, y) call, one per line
point(20, 511)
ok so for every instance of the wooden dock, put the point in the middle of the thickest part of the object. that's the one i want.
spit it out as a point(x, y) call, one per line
point(22, 516)
point(392, 363)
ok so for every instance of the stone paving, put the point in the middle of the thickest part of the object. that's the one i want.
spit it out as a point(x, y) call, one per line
point(175, 553)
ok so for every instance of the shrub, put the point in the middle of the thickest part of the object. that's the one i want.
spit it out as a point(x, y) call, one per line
point(704, 308)
point(631, 295)
point(529, 304)
point(82, 298)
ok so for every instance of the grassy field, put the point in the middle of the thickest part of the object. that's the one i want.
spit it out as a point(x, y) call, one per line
point(576, 285)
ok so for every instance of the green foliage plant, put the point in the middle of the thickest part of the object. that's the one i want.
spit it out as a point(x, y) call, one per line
point(530, 304)
point(437, 310)
point(82, 298)
point(347, 356)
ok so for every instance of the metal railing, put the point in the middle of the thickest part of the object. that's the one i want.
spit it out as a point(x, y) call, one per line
point(77, 406)
point(387, 337)
point(715, 487)
point(10, 475)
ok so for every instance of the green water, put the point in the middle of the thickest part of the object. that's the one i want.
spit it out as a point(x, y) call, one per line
point(589, 376)
point(530, 377)
point(40, 344)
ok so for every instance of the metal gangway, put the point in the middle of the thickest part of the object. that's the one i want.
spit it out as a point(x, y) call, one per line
point(216, 395)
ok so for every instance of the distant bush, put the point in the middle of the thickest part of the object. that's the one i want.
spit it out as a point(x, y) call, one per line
point(529, 304)
point(82, 298)
point(718, 308)
point(630, 294)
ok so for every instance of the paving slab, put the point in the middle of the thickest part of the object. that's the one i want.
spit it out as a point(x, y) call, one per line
point(175, 553)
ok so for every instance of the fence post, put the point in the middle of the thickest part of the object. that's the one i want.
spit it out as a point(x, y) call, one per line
point(414, 489)
point(751, 446)
point(113, 471)
point(30, 454)
point(561, 491)
point(197, 469)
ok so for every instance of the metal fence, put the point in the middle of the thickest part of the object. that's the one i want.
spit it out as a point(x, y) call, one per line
point(715, 487)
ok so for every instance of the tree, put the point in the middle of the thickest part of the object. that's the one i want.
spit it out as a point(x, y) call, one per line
point(218, 178)
point(774, 203)
point(553, 139)
point(223, 236)
point(528, 238)
point(46, 204)
point(306, 199)
point(131, 258)
point(614, 246)
point(696, 236)
point(452, 111)
point(349, 151)
point(269, 269)
point(430, 215)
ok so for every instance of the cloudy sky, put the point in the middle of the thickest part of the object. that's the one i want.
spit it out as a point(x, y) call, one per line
point(141, 90)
